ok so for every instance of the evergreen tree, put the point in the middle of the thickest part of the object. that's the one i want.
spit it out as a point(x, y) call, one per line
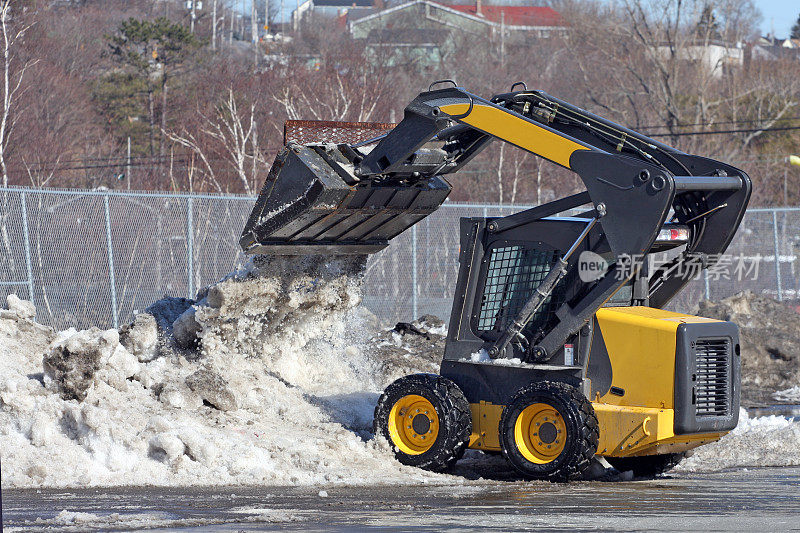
point(150, 51)
point(118, 97)
point(707, 26)
point(796, 29)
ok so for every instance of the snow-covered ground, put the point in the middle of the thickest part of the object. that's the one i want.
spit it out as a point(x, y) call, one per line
point(271, 378)
point(284, 358)
point(759, 441)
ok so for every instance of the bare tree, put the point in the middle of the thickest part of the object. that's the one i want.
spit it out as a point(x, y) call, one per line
point(232, 134)
point(333, 96)
point(13, 74)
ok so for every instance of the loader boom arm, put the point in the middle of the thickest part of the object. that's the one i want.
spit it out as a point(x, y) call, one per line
point(633, 181)
point(350, 198)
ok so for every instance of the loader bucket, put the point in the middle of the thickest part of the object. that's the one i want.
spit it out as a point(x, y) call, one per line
point(312, 203)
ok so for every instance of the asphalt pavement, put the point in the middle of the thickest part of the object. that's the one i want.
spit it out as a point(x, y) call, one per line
point(763, 499)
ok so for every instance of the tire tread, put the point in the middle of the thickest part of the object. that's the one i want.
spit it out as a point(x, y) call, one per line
point(455, 420)
point(588, 434)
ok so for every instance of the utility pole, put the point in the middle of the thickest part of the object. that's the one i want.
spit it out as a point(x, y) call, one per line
point(214, 25)
point(254, 30)
point(502, 38)
point(266, 16)
point(128, 165)
point(232, 15)
point(194, 14)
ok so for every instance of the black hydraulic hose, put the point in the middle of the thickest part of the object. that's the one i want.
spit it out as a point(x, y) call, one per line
point(585, 121)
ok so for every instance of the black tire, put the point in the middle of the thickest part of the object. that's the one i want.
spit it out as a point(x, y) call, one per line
point(578, 428)
point(452, 411)
point(647, 466)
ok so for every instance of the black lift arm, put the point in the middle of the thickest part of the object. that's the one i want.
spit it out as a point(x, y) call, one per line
point(636, 182)
point(354, 198)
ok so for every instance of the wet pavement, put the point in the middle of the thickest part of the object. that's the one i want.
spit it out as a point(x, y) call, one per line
point(763, 499)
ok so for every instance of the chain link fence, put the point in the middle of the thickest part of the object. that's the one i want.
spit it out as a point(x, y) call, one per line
point(96, 258)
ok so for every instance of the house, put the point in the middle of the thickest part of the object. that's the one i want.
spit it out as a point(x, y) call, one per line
point(424, 31)
point(792, 44)
point(714, 57)
point(771, 49)
point(718, 57)
point(540, 20)
point(342, 10)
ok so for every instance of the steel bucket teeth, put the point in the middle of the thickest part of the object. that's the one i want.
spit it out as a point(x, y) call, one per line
point(312, 203)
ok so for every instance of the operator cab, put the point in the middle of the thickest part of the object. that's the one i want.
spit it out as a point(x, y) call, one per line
point(501, 270)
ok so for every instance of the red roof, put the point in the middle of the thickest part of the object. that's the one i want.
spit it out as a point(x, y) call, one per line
point(514, 15)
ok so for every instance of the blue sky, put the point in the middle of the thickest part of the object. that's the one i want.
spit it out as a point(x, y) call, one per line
point(778, 14)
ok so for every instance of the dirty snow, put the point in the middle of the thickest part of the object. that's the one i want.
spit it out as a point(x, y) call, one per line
point(280, 389)
point(66, 520)
point(788, 395)
point(274, 382)
point(482, 356)
point(760, 441)
point(769, 333)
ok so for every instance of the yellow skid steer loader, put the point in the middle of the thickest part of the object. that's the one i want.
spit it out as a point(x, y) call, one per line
point(558, 350)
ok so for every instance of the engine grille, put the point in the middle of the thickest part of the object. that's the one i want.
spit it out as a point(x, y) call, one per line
point(712, 365)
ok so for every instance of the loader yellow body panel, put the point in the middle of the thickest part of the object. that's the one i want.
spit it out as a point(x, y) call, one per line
point(485, 426)
point(518, 131)
point(641, 344)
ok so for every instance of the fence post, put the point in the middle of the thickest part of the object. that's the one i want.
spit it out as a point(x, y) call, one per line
point(777, 254)
point(414, 287)
point(112, 281)
point(27, 246)
point(190, 247)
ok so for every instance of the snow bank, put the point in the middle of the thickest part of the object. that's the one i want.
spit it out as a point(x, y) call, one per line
point(791, 394)
point(278, 388)
point(761, 441)
point(269, 377)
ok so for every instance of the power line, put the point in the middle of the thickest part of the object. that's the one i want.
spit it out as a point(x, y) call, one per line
point(718, 132)
point(106, 165)
point(734, 122)
point(135, 160)
point(143, 161)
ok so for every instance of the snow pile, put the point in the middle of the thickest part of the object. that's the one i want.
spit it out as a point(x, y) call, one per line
point(269, 377)
point(754, 442)
point(274, 382)
point(791, 395)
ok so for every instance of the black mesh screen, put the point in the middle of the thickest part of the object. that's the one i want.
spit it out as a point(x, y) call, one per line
point(712, 377)
point(513, 274)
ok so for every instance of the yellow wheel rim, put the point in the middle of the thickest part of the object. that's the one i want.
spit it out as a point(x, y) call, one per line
point(540, 433)
point(413, 424)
